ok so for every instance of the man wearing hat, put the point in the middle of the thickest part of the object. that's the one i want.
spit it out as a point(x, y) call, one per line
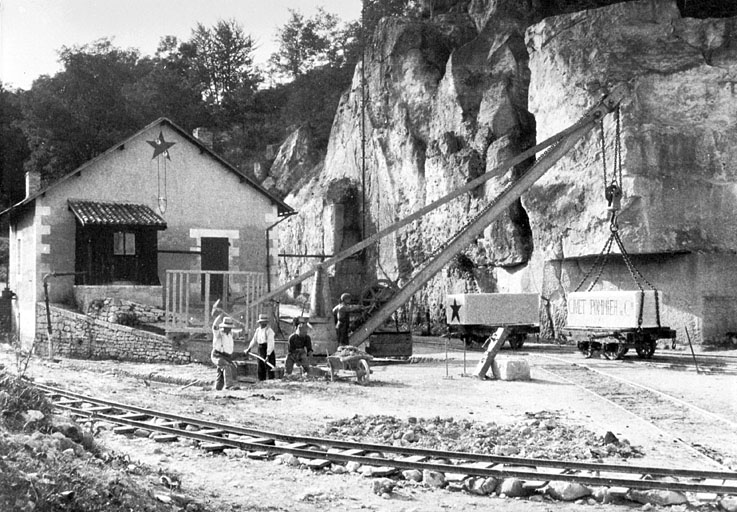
point(263, 337)
point(222, 351)
point(300, 348)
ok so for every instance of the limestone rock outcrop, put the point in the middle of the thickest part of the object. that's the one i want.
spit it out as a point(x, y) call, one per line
point(452, 95)
point(296, 161)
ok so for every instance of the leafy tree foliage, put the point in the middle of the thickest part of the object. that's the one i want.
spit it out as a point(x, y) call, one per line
point(13, 149)
point(166, 87)
point(309, 43)
point(103, 95)
point(78, 113)
point(223, 61)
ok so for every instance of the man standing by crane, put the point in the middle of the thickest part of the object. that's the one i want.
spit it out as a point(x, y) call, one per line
point(342, 315)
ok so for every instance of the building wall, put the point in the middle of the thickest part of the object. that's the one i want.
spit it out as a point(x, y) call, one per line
point(23, 269)
point(202, 197)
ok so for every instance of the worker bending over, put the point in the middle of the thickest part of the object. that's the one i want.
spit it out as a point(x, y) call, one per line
point(300, 349)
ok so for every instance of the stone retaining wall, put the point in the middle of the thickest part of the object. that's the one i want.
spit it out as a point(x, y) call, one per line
point(81, 336)
point(125, 312)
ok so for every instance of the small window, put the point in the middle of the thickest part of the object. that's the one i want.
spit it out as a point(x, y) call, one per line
point(124, 244)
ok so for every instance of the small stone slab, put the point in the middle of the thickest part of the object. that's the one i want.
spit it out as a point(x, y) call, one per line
point(511, 368)
point(212, 432)
point(258, 454)
point(99, 408)
point(213, 447)
point(455, 477)
point(378, 471)
point(709, 496)
point(352, 452)
point(318, 463)
point(412, 458)
point(134, 416)
point(297, 446)
point(268, 441)
point(165, 438)
point(126, 429)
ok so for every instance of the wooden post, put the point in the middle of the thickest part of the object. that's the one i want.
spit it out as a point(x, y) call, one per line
point(495, 342)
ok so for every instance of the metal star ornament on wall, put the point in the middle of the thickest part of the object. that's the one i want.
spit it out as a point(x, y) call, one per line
point(161, 147)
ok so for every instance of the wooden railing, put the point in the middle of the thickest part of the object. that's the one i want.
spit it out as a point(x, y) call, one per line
point(190, 294)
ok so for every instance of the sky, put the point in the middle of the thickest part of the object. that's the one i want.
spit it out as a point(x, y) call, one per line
point(32, 31)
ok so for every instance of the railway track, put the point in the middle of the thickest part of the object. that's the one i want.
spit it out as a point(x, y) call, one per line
point(320, 452)
point(683, 421)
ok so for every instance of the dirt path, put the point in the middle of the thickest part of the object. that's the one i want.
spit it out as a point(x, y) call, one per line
point(430, 388)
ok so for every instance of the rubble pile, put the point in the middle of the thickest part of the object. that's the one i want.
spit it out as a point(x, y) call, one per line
point(351, 352)
point(538, 435)
point(49, 462)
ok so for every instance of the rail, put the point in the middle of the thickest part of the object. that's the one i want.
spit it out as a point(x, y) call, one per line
point(216, 437)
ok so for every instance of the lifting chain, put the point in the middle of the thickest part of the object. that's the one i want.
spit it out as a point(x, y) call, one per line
point(613, 189)
point(613, 195)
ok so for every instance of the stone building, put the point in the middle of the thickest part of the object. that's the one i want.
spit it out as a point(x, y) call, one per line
point(159, 201)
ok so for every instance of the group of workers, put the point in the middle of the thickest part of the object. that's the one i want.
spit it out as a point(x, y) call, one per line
point(299, 349)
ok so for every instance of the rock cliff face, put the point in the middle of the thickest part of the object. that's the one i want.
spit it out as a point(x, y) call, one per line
point(449, 97)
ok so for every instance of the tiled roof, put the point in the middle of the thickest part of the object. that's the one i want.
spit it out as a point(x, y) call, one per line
point(91, 213)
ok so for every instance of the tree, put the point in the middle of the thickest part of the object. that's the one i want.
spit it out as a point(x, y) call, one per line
point(167, 87)
point(13, 149)
point(222, 60)
point(81, 111)
point(103, 95)
point(308, 43)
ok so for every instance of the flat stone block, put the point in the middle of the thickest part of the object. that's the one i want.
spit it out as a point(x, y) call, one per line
point(511, 368)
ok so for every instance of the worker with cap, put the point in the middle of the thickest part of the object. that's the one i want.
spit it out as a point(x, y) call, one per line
point(299, 349)
point(342, 315)
point(264, 339)
point(223, 329)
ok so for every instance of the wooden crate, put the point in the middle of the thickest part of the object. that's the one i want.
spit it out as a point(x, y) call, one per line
point(615, 309)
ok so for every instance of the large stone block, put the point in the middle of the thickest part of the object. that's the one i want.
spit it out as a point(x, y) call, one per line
point(511, 368)
point(614, 309)
point(492, 308)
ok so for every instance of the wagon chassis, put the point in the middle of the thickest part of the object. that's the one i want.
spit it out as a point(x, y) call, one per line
point(615, 343)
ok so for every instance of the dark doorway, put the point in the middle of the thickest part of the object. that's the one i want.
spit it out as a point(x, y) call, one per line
point(215, 257)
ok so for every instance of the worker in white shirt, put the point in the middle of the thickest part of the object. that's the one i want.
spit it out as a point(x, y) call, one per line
point(222, 351)
point(263, 337)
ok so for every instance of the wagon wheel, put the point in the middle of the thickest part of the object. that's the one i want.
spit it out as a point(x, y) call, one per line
point(363, 372)
point(646, 348)
point(615, 350)
point(517, 340)
point(376, 295)
point(584, 347)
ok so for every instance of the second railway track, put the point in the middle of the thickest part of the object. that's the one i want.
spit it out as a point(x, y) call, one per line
point(321, 452)
point(685, 422)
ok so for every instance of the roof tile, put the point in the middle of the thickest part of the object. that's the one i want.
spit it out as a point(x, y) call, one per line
point(92, 213)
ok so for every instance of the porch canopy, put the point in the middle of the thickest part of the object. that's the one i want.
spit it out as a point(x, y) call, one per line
point(122, 215)
point(116, 243)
